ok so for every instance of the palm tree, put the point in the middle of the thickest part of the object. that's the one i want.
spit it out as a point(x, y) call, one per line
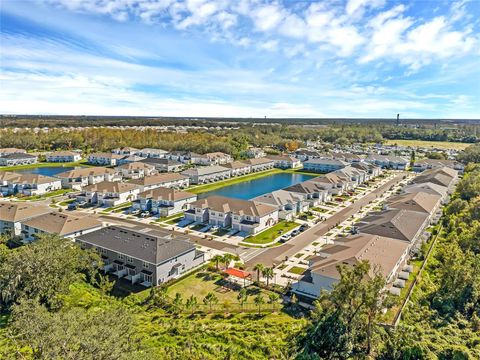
point(210, 299)
point(217, 259)
point(259, 301)
point(177, 303)
point(242, 297)
point(191, 303)
point(268, 274)
point(258, 268)
point(273, 299)
point(227, 258)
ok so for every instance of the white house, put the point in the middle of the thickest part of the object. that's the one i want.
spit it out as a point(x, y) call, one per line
point(207, 174)
point(135, 170)
point(8, 151)
point(108, 193)
point(63, 156)
point(260, 164)
point(105, 159)
point(13, 214)
point(153, 153)
point(62, 224)
point(285, 161)
point(289, 204)
point(126, 150)
point(164, 201)
point(214, 158)
point(78, 178)
point(238, 168)
point(324, 165)
point(169, 180)
point(246, 216)
point(27, 184)
point(15, 159)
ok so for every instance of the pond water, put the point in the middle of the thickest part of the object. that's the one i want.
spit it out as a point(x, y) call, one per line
point(256, 187)
point(46, 171)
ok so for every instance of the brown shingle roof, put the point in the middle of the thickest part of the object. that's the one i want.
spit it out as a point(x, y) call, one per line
point(236, 206)
point(14, 212)
point(158, 179)
point(162, 193)
point(62, 224)
point(110, 186)
point(420, 201)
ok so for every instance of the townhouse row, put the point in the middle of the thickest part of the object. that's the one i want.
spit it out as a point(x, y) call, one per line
point(386, 238)
point(141, 258)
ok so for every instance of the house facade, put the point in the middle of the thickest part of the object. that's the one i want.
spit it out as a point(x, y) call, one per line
point(65, 225)
point(260, 164)
point(13, 214)
point(63, 156)
point(245, 216)
point(142, 258)
point(135, 170)
point(169, 180)
point(105, 159)
point(76, 179)
point(320, 165)
point(285, 161)
point(207, 174)
point(164, 165)
point(14, 159)
point(214, 158)
point(164, 201)
point(289, 204)
point(108, 194)
point(238, 168)
point(12, 183)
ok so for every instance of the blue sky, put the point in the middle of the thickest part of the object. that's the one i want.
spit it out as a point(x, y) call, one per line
point(245, 58)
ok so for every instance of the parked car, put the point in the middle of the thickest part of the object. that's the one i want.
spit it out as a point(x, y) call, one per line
point(284, 238)
point(303, 227)
point(145, 214)
point(295, 232)
point(135, 212)
point(72, 206)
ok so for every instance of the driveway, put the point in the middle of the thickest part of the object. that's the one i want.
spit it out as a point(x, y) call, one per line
point(274, 256)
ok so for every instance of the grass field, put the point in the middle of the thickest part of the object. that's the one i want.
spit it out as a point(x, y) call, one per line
point(429, 144)
point(271, 234)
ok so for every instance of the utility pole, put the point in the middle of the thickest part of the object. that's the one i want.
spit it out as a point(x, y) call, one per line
point(398, 119)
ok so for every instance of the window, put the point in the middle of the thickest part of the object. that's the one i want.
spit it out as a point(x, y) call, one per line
point(104, 251)
point(121, 256)
point(146, 265)
point(129, 259)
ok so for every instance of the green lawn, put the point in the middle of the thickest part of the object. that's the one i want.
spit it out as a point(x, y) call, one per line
point(219, 184)
point(44, 164)
point(172, 219)
point(430, 144)
point(271, 234)
point(297, 270)
point(117, 208)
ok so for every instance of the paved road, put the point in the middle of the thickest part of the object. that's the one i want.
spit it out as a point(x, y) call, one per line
point(274, 256)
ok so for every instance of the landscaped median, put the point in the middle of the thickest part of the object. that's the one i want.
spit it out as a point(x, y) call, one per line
point(46, 195)
point(268, 237)
point(239, 179)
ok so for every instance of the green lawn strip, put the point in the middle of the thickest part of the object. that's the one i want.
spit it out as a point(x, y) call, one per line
point(198, 227)
point(272, 233)
point(221, 232)
point(172, 219)
point(297, 270)
point(45, 164)
point(220, 184)
point(117, 208)
point(299, 255)
point(47, 195)
point(66, 202)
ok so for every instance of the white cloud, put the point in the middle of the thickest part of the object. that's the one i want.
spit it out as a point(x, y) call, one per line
point(267, 17)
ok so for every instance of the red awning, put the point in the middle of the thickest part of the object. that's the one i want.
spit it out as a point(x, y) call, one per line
point(237, 273)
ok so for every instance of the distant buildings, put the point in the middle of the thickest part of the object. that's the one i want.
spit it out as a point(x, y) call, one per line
point(135, 170)
point(285, 161)
point(17, 158)
point(8, 151)
point(164, 165)
point(214, 158)
point(12, 183)
point(108, 193)
point(105, 159)
point(207, 174)
point(149, 259)
point(169, 180)
point(63, 156)
point(321, 165)
point(76, 179)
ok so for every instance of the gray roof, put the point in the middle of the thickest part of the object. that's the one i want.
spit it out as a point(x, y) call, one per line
point(158, 161)
point(205, 170)
point(153, 248)
point(14, 156)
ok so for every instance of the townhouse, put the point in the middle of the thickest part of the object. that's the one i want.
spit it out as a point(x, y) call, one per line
point(387, 254)
point(259, 164)
point(254, 152)
point(419, 201)
point(61, 224)
point(164, 201)
point(130, 159)
point(313, 192)
point(288, 203)
point(108, 193)
point(153, 153)
point(184, 157)
point(246, 216)
point(427, 164)
point(148, 259)
point(169, 180)
point(27, 184)
point(214, 158)
point(351, 176)
point(347, 157)
point(13, 214)
point(444, 176)
point(370, 169)
point(388, 161)
point(126, 151)
point(331, 183)
point(104, 159)
point(164, 165)
point(14, 159)
point(285, 161)
point(400, 224)
point(427, 187)
point(321, 165)
point(135, 170)
point(63, 156)
point(7, 151)
point(76, 179)
point(238, 168)
point(306, 154)
point(207, 174)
